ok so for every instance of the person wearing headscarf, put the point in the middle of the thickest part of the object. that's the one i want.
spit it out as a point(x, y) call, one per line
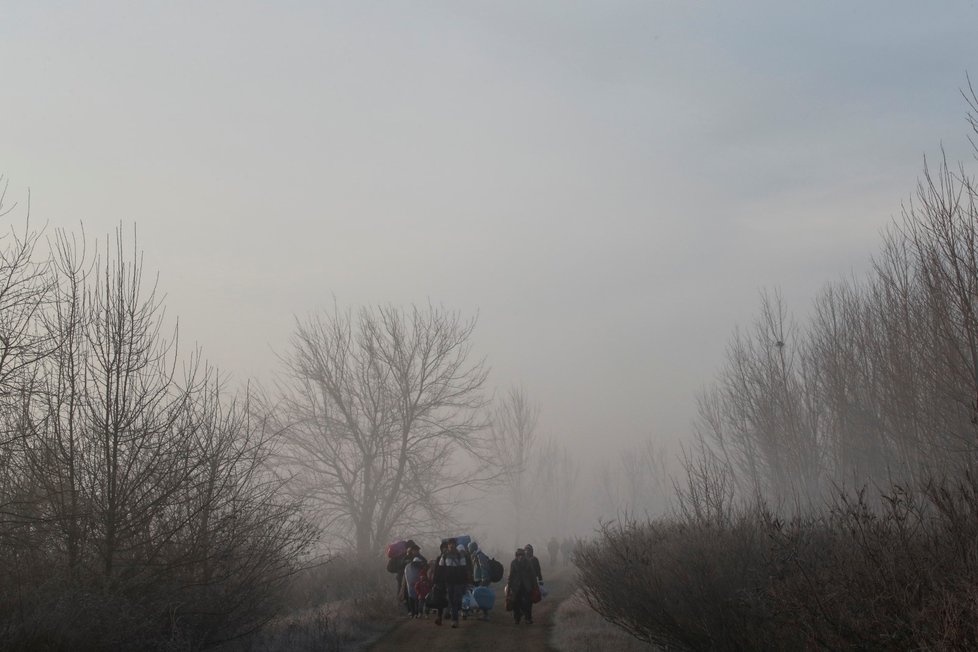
point(520, 584)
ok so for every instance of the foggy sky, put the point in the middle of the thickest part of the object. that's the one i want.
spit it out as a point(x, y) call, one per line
point(608, 184)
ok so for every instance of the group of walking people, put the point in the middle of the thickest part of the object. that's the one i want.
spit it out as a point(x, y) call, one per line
point(564, 548)
point(457, 581)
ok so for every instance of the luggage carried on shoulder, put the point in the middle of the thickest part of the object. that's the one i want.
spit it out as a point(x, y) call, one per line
point(396, 549)
point(496, 570)
point(394, 565)
point(462, 540)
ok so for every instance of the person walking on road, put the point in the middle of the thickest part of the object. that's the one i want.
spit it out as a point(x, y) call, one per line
point(480, 571)
point(520, 585)
point(566, 549)
point(553, 547)
point(438, 597)
point(412, 572)
point(457, 576)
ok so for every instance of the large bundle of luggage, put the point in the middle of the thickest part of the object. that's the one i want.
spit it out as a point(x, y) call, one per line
point(462, 540)
point(396, 549)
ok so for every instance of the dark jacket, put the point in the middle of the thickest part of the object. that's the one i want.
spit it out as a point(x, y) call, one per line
point(521, 576)
point(456, 568)
point(535, 563)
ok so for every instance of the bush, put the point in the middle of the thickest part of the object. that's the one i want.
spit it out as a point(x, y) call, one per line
point(692, 584)
point(897, 573)
point(138, 505)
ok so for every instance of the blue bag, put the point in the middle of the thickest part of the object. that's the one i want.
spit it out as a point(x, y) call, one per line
point(484, 597)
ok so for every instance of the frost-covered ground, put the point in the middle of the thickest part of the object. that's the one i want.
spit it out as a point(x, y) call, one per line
point(579, 629)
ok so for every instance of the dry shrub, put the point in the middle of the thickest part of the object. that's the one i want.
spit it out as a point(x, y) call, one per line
point(896, 572)
point(692, 584)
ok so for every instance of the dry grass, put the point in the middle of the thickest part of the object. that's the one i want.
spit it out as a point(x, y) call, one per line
point(341, 606)
point(578, 628)
point(343, 626)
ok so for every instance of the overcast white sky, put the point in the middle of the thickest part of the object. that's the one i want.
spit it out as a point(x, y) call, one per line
point(609, 184)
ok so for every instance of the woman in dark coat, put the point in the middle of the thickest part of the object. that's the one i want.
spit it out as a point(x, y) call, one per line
point(519, 586)
point(438, 597)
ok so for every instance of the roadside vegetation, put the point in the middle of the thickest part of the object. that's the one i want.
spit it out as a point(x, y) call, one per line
point(137, 506)
point(339, 606)
point(831, 498)
point(578, 628)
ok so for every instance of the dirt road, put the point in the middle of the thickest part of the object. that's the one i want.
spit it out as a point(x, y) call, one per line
point(500, 633)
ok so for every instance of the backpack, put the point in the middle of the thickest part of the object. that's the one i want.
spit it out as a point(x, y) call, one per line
point(495, 570)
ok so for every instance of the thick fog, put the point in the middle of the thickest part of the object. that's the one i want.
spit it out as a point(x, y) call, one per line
point(606, 186)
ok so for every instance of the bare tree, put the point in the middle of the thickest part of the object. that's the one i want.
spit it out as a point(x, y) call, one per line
point(148, 486)
point(514, 444)
point(24, 291)
point(24, 294)
point(635, 481)
point(942, 227)
point(763, 416)
point(556, 475)
point(645, 478)
point(377, 408)
point(882, 386)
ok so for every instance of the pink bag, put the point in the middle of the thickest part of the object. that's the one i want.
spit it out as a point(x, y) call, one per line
point(396, 549)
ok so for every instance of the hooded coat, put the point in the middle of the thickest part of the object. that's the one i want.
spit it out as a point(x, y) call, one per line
point(521, 576)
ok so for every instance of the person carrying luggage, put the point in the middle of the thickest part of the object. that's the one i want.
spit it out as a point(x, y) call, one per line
point(520, 584)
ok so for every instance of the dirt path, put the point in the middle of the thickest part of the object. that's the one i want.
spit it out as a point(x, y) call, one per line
point(500, 633)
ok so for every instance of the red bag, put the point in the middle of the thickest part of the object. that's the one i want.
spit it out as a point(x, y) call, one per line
point(396, 549)
point(535, 595)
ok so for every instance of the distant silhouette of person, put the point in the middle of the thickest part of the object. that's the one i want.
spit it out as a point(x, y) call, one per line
point(553, 547)
point(566, 548)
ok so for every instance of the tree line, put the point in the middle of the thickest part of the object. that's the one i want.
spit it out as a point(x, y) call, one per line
point(145, 502)
point(880, 384)
point(137, 507)
point(829, 499)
